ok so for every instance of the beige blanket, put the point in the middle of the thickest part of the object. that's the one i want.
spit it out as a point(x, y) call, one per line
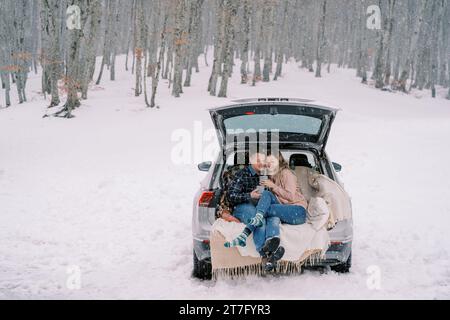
point(304, 242)
point(315, 185)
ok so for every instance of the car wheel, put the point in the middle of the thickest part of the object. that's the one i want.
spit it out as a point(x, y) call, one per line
point(343, 267)
point(202, 268)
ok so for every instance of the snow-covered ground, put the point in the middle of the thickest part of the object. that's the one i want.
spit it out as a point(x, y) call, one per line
point(101, 192)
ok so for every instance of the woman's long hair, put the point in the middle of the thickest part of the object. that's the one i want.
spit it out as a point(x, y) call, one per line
point(283, 165)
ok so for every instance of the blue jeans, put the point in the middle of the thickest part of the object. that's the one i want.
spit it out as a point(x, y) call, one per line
point(270, 207)
point(269, 229)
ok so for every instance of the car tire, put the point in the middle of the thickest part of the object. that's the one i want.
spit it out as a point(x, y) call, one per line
point(202, 269)
point(343, 267)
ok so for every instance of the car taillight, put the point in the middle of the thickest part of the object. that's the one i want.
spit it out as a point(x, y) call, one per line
point(206, 198)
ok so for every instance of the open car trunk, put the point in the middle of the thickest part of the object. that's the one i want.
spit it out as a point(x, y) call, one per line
point(282, 122)
point(295, 126)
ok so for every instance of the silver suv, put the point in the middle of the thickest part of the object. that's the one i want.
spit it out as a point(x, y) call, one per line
point(301, 128)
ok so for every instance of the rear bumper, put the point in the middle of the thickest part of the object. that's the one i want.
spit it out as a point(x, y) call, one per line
point(336, 254)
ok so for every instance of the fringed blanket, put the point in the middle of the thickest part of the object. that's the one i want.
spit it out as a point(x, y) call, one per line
point(303, 243)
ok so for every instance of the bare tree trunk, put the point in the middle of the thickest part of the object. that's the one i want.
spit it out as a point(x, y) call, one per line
point(91, 48)
point(72, 80)
point(218, 48)
point(246, 41)
point(51, 59)
point(6, 31)
point(437, 16)
point(179, 40)
point(282, 42)
point(115, 18)
point(146, 69)
point(20, 56)
point(257, 52)
point(412, 49)
point(130, 32)
point(384, 47)
point(321, 39)
point(159, 63)
point(107, 41)
point(194, 37)
point(230, 14)
point(267, 27)
point(139, 51)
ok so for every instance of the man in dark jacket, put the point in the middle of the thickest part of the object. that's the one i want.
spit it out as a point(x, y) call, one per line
point(243, 187)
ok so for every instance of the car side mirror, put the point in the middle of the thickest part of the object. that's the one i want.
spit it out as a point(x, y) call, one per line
point(205, 166)
point(337, 167)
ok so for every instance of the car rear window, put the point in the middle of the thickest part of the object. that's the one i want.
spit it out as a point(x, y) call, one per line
point(290, 123)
